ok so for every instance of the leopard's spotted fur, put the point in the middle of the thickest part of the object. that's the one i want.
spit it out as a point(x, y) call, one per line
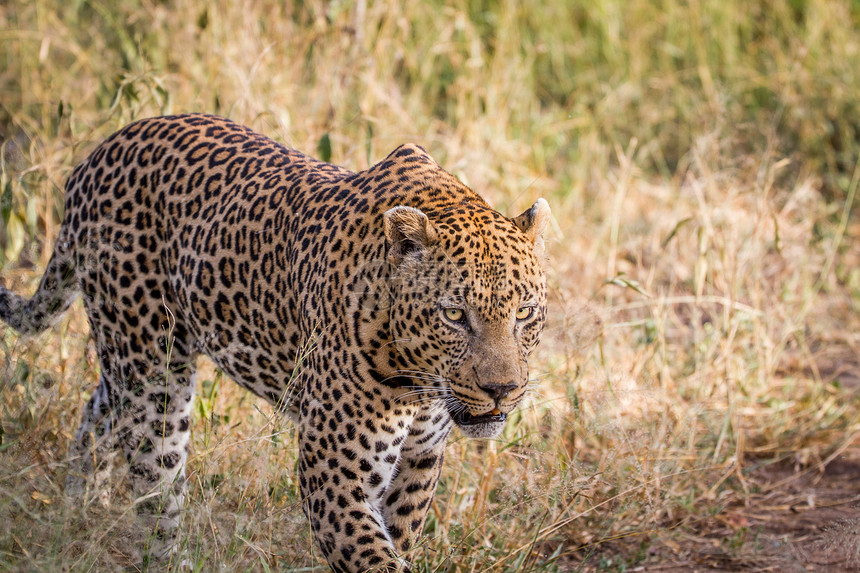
point(193, 235)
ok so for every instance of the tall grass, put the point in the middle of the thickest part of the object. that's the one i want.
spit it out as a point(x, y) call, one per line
point(701, 161)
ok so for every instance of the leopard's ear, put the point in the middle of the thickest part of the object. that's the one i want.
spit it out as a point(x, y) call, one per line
point(533, 223)
point(407, 231)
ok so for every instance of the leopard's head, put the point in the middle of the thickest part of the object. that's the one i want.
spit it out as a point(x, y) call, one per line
point(468, 294)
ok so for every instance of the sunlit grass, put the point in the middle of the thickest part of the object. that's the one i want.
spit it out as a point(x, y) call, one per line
point(700, 163)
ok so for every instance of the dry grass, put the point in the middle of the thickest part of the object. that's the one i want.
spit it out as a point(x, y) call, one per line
point(700, 160)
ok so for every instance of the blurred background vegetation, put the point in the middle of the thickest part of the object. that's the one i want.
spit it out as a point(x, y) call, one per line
point(701, 160)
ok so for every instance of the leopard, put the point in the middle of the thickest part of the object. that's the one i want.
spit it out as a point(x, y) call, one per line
point(377, 309)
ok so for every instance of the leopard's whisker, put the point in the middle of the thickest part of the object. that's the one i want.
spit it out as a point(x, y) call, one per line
point(422, 394)
point(412, 376)
point(417, 374)
point(420, 401)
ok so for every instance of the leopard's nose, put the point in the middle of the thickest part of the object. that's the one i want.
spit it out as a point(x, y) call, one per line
point(498, 391)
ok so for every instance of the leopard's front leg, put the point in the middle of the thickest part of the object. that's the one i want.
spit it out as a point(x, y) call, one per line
point(407, 500)
point(347, 459)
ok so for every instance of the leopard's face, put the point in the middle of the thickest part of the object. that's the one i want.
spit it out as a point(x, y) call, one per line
point(468, 308)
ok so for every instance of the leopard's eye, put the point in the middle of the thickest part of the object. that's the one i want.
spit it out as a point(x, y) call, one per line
point(454, 314)
point(524, 312)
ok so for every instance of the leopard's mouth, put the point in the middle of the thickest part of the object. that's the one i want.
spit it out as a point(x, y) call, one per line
point(464, 418)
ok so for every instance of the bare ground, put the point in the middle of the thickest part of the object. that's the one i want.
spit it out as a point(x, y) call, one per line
point(792, 520)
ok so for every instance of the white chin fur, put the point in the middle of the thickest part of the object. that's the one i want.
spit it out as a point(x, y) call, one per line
point(485, 430)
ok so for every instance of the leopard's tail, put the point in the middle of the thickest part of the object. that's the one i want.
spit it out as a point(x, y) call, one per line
point(57, 291)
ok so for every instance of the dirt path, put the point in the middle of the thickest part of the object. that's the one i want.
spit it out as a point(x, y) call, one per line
point(791, 521)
